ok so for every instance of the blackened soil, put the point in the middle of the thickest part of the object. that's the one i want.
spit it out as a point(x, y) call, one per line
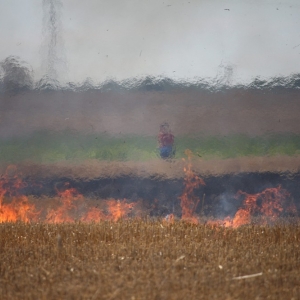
point(217, 197)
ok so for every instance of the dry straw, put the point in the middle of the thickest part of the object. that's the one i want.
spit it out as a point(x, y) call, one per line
point(144, 259)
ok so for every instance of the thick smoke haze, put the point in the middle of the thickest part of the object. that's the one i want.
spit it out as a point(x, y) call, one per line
point(176, 39)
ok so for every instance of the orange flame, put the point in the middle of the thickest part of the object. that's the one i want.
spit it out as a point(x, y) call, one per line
point(269, 205)
point(15, 207)
point(242, 217)
point(169, 219)
point(118, 209)
point(94, 214)
point(69, 199)
point(188, 200)
point(19, 209)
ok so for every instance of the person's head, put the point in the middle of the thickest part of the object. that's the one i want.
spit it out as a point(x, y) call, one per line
point(164, 127)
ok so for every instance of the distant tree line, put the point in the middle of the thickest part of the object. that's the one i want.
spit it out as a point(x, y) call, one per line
point(17, 76)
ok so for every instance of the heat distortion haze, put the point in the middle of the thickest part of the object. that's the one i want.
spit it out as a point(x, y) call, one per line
point(149, 150)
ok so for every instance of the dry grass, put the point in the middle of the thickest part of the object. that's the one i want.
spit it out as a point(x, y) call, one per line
point(143, 259)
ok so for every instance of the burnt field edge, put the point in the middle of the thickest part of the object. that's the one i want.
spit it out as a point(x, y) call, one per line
point(219, 191)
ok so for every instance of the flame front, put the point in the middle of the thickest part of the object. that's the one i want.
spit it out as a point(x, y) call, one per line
point(267, 205)
point(70, 206)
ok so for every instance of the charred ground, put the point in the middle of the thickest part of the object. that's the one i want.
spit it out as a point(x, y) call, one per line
point(159, 184)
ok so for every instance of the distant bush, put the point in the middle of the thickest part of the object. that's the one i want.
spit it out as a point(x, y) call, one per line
point(16, 75)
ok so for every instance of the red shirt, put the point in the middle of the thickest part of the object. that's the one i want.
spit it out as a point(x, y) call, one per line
point(165, 139)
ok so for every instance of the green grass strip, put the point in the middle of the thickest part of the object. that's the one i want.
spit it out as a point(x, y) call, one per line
point(48, 147)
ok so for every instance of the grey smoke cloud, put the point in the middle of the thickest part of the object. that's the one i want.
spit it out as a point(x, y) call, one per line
point(179, 39)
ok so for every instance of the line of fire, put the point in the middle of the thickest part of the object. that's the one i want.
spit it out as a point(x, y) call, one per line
point(68, 205)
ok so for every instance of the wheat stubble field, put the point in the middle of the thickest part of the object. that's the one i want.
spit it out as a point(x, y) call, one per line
point(147, 259)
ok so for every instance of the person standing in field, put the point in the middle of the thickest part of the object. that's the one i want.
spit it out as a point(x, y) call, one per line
point(166, 141)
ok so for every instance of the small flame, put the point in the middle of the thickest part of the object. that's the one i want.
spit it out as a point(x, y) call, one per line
point(118, 209)
point(188, 200)
point(69, 201)
point(169, 219)
point(242, 217)
point(94, 214)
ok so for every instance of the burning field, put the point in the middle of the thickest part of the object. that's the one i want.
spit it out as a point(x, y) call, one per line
point(99, 196)
point(68, 205)
point(72, 245)
point(87, 216)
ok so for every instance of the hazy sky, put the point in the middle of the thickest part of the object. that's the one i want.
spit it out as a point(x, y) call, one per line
point(176, 38)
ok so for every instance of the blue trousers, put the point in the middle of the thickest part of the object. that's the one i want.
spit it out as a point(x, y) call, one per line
point(166, 151)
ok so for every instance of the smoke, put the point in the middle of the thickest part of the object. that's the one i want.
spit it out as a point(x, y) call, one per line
point(227, 205)
point(53, 57)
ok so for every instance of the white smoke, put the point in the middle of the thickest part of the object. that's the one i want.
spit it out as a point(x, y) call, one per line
point(53, 53)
